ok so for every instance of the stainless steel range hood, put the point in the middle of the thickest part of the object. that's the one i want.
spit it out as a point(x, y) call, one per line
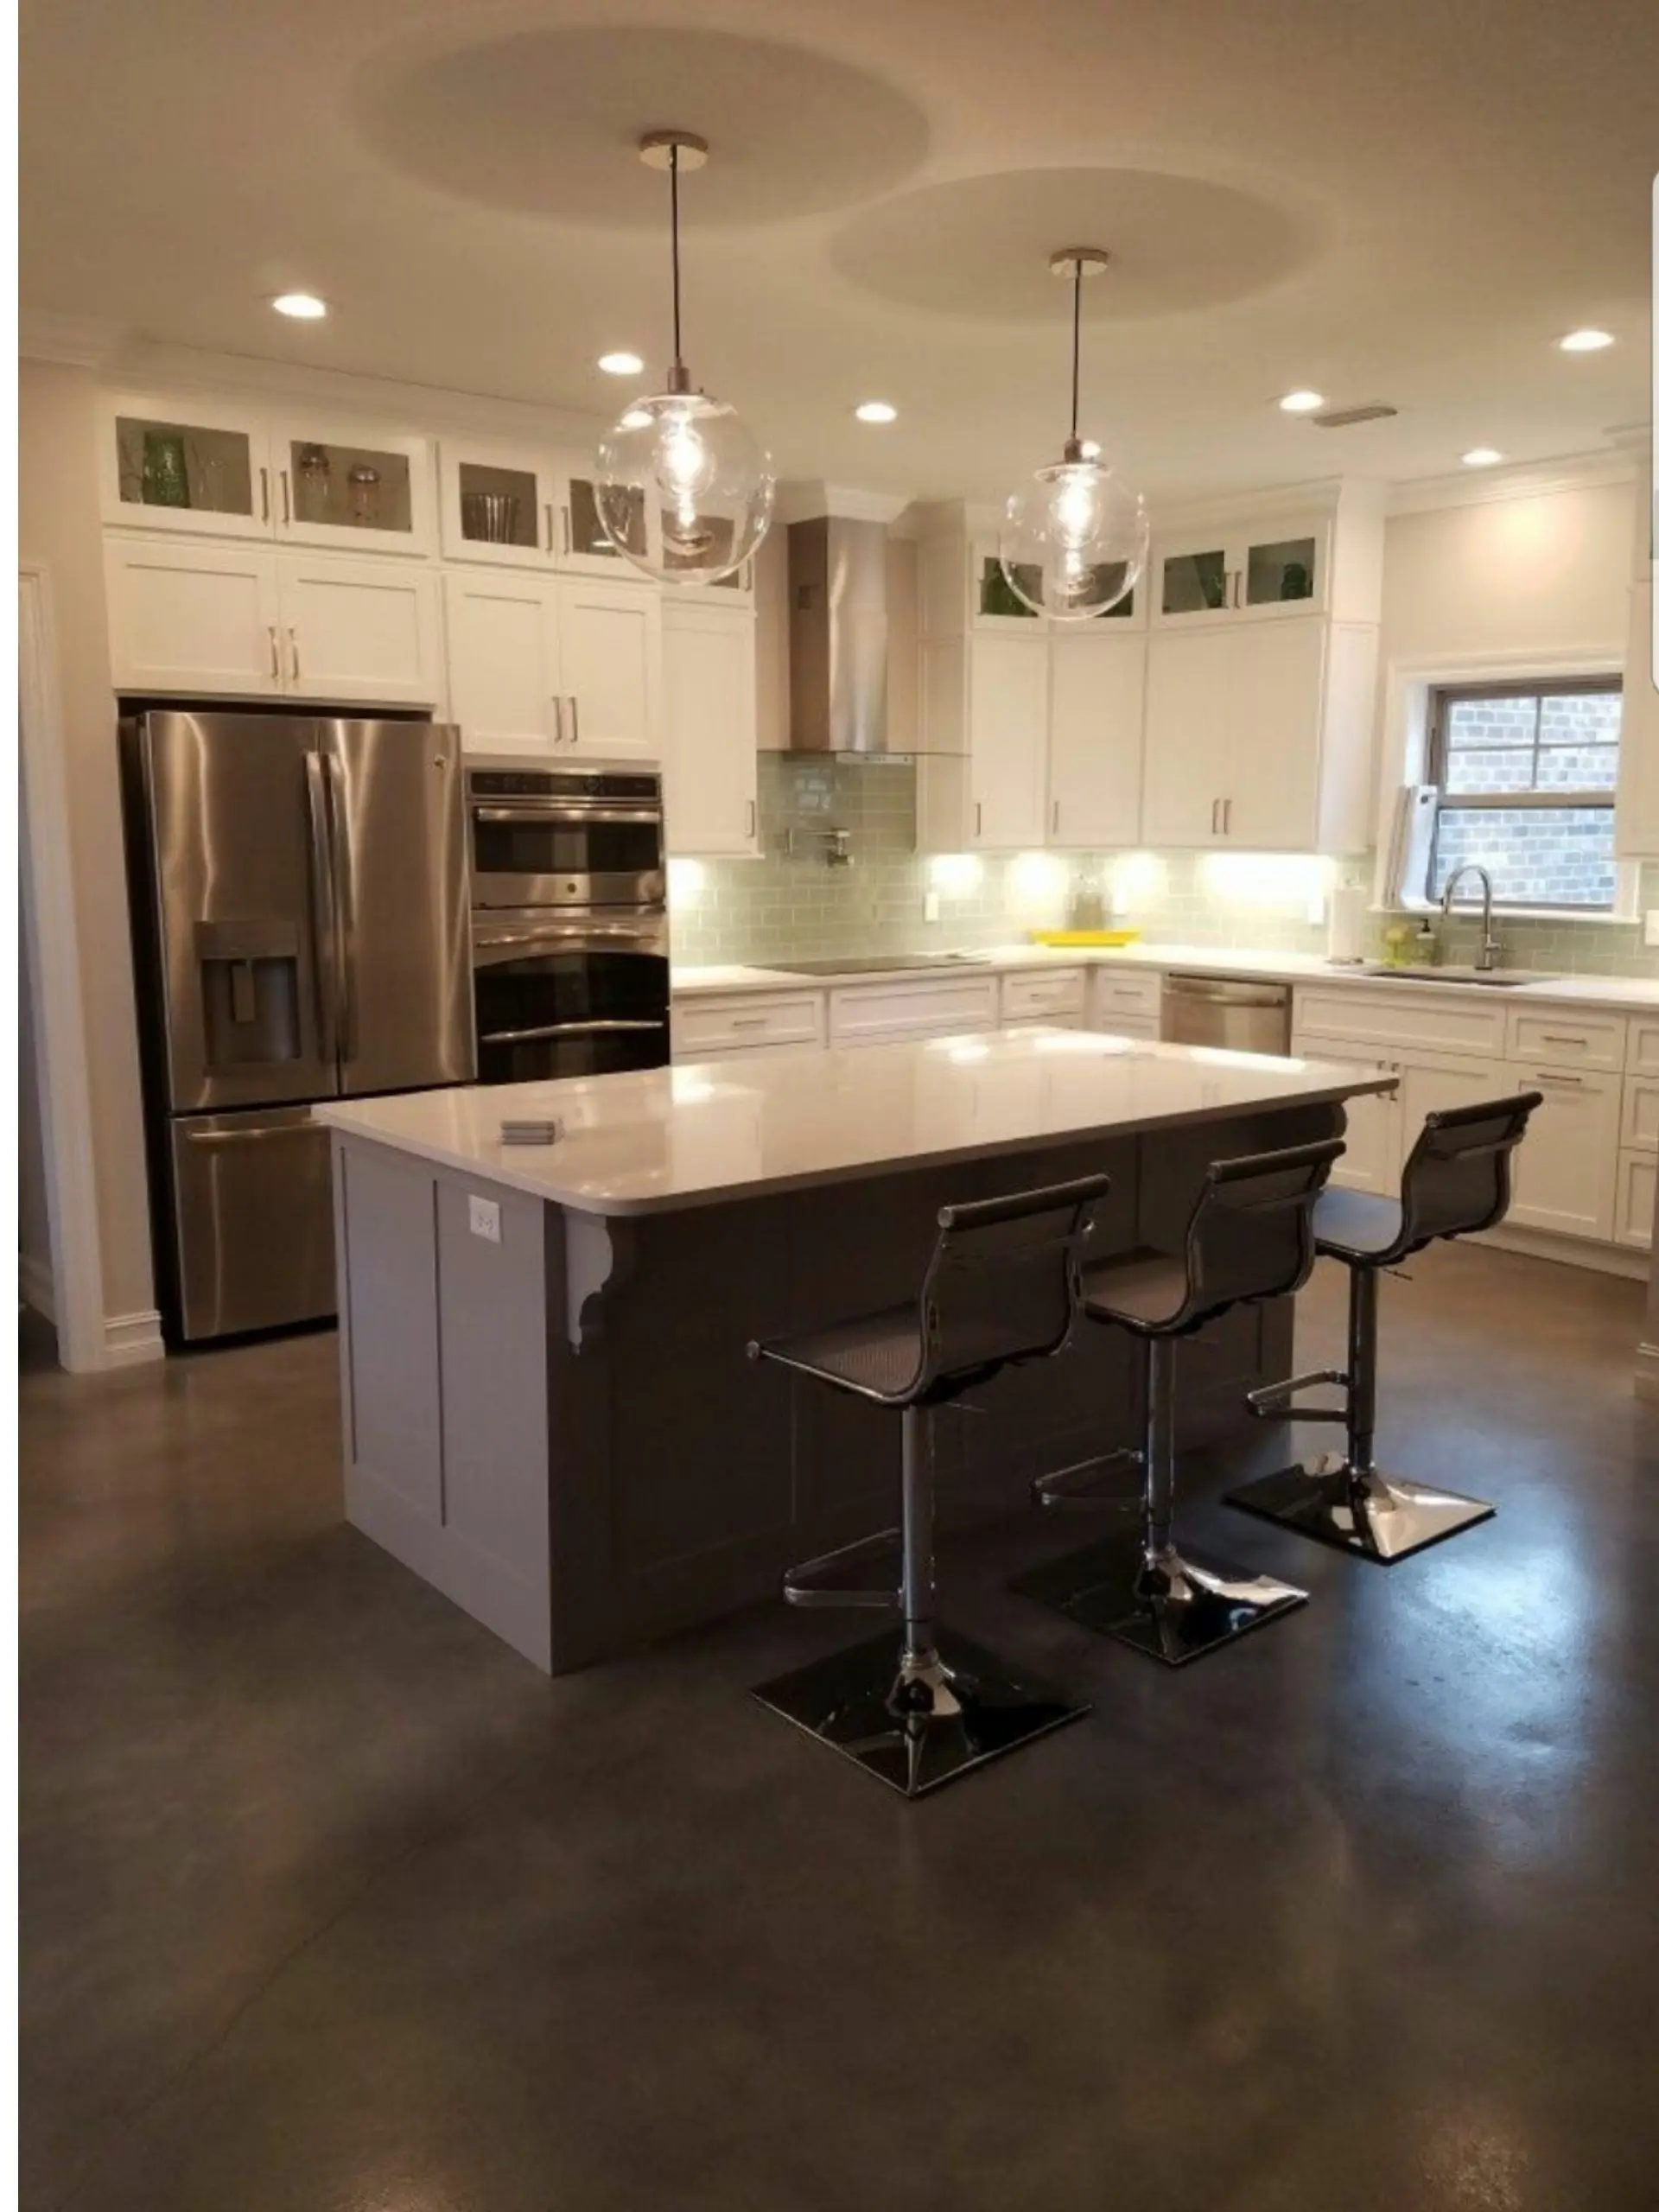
point(837, 636)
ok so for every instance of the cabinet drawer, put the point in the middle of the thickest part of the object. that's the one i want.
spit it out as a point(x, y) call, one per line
point(1556, 1039)
point(1048, 996)
point(1639, 1128)
point(1642, 1050)
point(1638, 1181)
point(868, 1013)
point(1396, 1017)
point(1118, 998)
point(1127, 1025)
point(745, 1024)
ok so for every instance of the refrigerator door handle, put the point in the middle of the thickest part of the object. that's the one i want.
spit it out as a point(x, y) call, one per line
point(324, 918)
point(252, 1136)
point(345, 905)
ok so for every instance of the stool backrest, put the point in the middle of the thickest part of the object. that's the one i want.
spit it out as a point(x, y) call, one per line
point(1251, 1233)
point(1457, 1177)
point(1003, 1282)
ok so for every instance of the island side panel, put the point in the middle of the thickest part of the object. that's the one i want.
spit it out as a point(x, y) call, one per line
point(443, 1337)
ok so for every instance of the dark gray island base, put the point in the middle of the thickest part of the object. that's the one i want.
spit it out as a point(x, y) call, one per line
point(561, 1431)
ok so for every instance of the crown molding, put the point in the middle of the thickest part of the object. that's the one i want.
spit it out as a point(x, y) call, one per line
point(1524, 481)
point(75, 341)
point(145, 366)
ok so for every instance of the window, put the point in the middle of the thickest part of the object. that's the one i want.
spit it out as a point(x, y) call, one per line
point(1526, 774)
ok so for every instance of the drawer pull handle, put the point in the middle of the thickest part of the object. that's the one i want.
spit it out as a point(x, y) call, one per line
point(1541, 1076)
point(1549, 1037)
point(749, 1021)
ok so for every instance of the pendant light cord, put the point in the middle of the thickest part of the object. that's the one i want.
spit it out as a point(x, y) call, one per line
point(1076, 339)
point(674, 230)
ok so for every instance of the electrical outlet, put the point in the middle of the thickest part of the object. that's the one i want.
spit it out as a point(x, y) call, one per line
point(484, 1219)
point(931, 906)
point(1650, 926)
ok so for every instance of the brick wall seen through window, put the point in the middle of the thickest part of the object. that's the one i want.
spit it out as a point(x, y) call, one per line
point(1526, 776)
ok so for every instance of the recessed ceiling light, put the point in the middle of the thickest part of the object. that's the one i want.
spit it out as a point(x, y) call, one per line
point(876, 410)
point(304, 307)
point(1482, 457)
point(1301, 402)
point(620, 365)
point(1585, 341)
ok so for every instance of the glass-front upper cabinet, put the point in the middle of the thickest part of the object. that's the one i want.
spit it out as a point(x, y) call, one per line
point(351, 487)
point(500, 504)
point(184, 465)
point(1274, 569)
point(993, 603)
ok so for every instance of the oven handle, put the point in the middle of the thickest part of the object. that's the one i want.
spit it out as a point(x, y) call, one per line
point(565, 811)
point(565, 1029)
point(576, 935)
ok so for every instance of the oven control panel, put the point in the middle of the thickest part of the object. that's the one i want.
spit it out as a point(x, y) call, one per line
point(556, 784)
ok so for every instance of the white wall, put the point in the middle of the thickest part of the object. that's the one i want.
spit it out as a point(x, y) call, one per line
point(59, 525)
point(1546, 574)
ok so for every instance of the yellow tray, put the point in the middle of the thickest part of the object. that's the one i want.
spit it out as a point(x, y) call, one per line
point(1085, 937)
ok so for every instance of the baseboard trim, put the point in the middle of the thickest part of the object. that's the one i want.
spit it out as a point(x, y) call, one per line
point(131, 1339)
point(1627, 1260)
point(35, 1282)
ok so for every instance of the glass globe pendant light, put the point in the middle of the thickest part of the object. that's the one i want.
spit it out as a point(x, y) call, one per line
point(683, 490)
point(1074, 539)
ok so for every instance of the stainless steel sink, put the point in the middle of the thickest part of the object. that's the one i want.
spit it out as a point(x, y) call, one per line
point(1490, 979)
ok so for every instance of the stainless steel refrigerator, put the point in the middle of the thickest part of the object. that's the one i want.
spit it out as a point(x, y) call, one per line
point(300, 925)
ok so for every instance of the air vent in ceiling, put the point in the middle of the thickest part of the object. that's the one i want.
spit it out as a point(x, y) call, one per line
point(1343, 418)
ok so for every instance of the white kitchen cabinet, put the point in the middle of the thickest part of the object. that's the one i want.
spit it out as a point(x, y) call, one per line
point(186, 466)
point(1236, 572)
point(709, 729)
point(503, 633)
point(611, 668)
point(1635, 819)
point(704, 1026)
point(498, 504)
point(1639, 1124)
point(1117, 999)
point(365, 631)
point(982, 782)
point(1056, 996)
point(912, 1006)
point(248, 622)
point(1260, 738)
point(554, 664)
point(352, 486)
point(1639, 1182)
point(194, 618)
point(1096, 709)
point(1566, 1167)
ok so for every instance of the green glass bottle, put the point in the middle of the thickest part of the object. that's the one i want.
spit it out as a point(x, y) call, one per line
point(167, 482)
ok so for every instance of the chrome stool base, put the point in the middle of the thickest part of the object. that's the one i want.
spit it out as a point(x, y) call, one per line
point(1190, 1603)
point(916, 1727)
point(1377, 1517)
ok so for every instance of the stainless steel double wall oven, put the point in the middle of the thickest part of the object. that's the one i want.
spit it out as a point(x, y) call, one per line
point(569, 921)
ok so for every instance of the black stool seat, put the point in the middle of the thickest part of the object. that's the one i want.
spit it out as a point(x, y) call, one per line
point(921, 1708)
point(1455, 1182)
point(878, 1356)
point(1353, 1225)
point(1142, 1290)
point(1249, 1237)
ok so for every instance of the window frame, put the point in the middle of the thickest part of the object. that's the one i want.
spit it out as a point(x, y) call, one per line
point(1442, 696)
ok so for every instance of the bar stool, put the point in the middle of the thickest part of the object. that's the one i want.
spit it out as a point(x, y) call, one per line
point(922, 1708)
point(1249, 1237)
point(1455, 1182)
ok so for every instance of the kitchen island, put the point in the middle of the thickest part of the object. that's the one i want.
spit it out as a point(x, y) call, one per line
point(548, 1413)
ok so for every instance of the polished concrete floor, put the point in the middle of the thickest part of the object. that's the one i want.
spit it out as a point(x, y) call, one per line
point(333, 1905)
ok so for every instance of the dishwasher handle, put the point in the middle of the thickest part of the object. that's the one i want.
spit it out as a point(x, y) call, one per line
point(1213, 990)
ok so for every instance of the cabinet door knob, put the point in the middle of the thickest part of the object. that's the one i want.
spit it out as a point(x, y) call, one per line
point(979, 818)
point(275, 661)
point(264, 495)
point(753, 825)
point(287, 516)
point(576, 721)
point(294, 651)
point(564, 528)
point(1227, 817)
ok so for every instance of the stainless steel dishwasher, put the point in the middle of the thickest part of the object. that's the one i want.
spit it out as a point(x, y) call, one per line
point(1217, 1010)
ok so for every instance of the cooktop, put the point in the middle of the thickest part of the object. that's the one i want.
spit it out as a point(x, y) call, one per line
point(871, 963)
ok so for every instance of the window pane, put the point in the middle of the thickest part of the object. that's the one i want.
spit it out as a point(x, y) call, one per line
point(1581, 718)
point(1577, 767)
point(1537, 856)
point(1491, 721)
point(1508, 770)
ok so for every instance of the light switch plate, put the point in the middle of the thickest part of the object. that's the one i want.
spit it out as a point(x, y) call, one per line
point(1650, 926)
point(484, 1219)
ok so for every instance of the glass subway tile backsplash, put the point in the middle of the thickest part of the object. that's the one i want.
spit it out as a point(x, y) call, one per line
point(796, 900)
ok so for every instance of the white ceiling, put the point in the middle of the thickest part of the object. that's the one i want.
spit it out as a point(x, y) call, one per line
point(1405, 203)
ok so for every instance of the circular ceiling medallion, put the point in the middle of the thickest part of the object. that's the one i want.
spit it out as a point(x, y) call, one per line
point(550, 123)
point(984, 246)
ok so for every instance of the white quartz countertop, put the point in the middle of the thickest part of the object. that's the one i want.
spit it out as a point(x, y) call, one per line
point(663, 1138)
point(1627, 994)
